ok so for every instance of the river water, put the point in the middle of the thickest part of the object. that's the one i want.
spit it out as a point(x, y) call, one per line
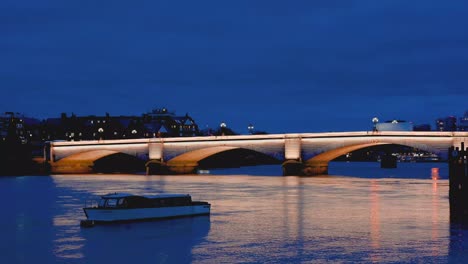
point(359, 213)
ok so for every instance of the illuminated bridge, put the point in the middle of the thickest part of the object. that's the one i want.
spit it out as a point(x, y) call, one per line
point(300, 154)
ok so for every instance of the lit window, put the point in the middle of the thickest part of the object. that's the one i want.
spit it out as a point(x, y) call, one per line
point(111, 203)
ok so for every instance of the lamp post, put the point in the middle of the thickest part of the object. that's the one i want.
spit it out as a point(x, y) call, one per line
point(250, 128)
point(223, 128)
point(101, 131)
point(134, 132)
point(375, 120)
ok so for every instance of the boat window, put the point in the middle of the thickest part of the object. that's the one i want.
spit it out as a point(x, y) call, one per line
point(102, 203)
point(111, 202)
point(122, 202)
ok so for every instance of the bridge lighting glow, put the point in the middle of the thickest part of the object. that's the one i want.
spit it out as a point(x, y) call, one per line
point(222, 124)
point(435, 173)
point(319, 148)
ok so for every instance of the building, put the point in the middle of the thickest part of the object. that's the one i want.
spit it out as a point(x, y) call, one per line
point(12, 127)
point(463, 122)
point(17, 145)
point(4, 126)
point(157, 123)
point(17, 127)
point(161, 122)
point(446, 124)
point(394, 125)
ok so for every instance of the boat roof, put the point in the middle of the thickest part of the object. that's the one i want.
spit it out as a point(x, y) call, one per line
point(162, 195)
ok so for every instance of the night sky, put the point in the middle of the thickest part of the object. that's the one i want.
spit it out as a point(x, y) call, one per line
point(284, 66)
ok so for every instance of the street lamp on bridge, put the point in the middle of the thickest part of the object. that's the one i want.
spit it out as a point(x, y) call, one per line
point(250, 127)
point(223, 128)
point(375, 120)
point(101, 132)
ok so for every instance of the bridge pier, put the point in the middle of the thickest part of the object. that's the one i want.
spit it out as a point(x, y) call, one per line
point(292, 168)
point(72, 167)
point(298, 168)
point(313, 168)
point(458, 184)
point(157, 167)
point(183, 168)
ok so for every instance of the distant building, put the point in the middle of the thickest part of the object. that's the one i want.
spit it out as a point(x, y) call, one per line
point(463, 122)
point(394, 125)
point(17, 127)
point(157, 123)
point(164, 123)
point(446, 124)
point(4, 125)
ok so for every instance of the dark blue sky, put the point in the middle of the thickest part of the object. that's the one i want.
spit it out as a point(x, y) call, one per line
point(285, 66)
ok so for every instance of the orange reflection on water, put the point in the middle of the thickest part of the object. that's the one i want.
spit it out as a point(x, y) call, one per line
point(291, 208)
point(435, 209)
point(375, 218)
point(435, 173)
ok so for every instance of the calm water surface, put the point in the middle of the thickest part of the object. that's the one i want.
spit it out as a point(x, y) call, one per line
point(361, 213)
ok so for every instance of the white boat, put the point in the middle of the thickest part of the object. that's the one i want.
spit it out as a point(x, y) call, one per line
point(119, 207)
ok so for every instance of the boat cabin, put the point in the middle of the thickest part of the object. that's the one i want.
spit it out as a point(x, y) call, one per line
point(121, 200)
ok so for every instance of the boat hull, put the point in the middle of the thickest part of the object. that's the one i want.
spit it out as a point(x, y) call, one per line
point(100, 215)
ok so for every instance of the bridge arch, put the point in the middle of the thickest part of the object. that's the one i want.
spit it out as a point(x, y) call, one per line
point(199, 154)
point(335, 153)
point(232, 156)
point(96, 161)
point(318, 164)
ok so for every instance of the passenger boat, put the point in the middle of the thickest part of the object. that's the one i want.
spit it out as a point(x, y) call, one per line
point(121, 207)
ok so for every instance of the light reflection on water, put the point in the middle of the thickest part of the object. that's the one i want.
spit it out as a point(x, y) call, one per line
point(254, 219)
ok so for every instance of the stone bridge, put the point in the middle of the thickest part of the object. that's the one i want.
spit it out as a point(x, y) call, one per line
point(300, 154)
